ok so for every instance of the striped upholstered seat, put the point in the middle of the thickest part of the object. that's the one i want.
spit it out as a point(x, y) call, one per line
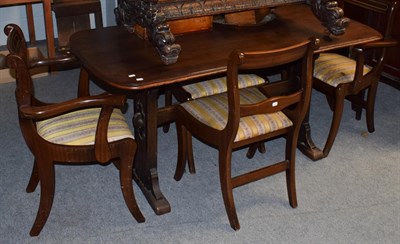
point(218, 85)
point(213, 111)
point(79, 127)
point(335, 69)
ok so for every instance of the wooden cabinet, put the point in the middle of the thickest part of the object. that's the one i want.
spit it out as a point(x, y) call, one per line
point(391, 72)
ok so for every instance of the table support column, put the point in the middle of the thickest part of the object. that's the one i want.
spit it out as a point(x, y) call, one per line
point(145, 169)
point(306, 144)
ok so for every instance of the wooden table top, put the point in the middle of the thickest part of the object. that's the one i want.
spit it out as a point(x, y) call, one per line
point(112, 54)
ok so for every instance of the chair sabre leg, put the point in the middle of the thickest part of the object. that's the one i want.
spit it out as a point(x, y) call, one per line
point(168, 102)
point(226, 187)
point(357, 106)
point(337, 117)
point(34, 180)
point(251, 151)
point(125, 175)
point(260, 146)
point(189, 152)
point(371, 107)
point(182, 152)
point(46, 173)
point(290, 172)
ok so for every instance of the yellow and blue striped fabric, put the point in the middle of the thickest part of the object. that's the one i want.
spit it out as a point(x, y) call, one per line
point(335, 69)
point(218, 85)
point(213, 111)
point(79, 127)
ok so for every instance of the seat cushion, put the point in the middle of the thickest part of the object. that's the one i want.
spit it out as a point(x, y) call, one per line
point(213, 111)
point(335, 69)
point(79, 127)
point(218, 85)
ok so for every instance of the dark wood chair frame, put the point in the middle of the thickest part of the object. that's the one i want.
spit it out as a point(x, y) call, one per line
point(182, 96)
point(355, 91)
point(294, 105)
point(121, 153)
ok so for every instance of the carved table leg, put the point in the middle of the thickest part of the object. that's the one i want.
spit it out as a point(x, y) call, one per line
point(330, 15)
point(148, 14)
point(306, 144)
point(145, 170)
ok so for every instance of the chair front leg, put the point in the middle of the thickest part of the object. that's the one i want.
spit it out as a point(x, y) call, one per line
point(83, 87)
point(356, 106)
point(189, 153)
point(168, 102)
point(225, 157)
point(252, 150)
point(260, 146)
point(291, 143)
point(125, 175)
point(371, 106)
point(331, 101)
point(182, 151)
point(47, 186)
point(34, 180)
point(337, 117)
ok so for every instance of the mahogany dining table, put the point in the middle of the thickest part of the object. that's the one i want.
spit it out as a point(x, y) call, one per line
point(123, 63)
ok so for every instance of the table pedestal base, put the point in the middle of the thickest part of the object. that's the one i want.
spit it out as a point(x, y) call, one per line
point(306, 144)
point(154, 196)
point(145, 169)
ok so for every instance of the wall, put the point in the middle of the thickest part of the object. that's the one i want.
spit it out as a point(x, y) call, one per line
point(17, 15)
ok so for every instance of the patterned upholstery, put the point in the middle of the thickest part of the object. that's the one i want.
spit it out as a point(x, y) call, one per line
point(79, 127)
point(213, 111)
point(218, 85)
point(335, 69)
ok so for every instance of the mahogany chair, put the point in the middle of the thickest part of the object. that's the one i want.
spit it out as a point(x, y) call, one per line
point(213, 86)
point(241, 117)
point(85, 130)
point(341, 77)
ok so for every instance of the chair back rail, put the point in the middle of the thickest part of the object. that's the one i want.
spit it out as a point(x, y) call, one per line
point(241, 61)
